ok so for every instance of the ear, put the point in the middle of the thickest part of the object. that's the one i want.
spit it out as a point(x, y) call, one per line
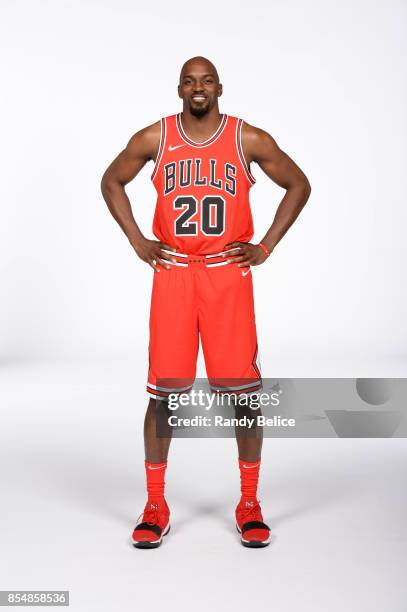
point(179, 91)
point(220, 90)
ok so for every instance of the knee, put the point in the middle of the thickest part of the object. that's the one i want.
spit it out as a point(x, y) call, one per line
point(156, 407)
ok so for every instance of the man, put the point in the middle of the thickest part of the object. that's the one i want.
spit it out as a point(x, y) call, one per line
point(202, 257)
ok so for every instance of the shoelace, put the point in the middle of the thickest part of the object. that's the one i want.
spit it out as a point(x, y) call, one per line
point(251, 513)
point(151, 517)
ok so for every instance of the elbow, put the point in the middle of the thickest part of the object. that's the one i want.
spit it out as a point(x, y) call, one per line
point(305, 184)
point(107, 185)
point(104, 184)
point(305, 188)
point(301, 191)
point(301, 187)
point(308, 188)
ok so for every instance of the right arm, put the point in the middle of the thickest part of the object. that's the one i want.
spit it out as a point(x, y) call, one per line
point(141, 148)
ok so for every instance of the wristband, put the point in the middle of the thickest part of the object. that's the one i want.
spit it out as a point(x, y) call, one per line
point(264, 248)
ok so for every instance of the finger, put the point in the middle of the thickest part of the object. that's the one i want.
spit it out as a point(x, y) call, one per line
point(237, 259)
point(230, 245)
point(164, 264)
point(162, 245)
point(242, 262)
point(231, 252)
point(153, 264)
point(163, 255)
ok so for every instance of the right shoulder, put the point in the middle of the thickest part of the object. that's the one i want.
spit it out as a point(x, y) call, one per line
point(145, 142)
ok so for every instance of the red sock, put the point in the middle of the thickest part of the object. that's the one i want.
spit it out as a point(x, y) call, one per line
point(249, 478)
point(155, 473)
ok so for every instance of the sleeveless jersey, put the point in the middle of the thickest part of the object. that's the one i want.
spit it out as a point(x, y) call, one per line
point(202, 188)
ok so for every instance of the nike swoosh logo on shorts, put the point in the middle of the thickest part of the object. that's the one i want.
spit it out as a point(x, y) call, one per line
point(171, 148)
point(245, 273)
point(250, 466)
point(160, 467)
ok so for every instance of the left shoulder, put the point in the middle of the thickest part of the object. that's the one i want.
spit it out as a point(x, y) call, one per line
point(255, 135)
point(257, 143)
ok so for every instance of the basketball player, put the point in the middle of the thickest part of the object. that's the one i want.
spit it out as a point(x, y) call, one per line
point(202, 259)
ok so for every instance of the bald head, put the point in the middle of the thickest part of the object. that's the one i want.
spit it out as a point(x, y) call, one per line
point(202, 64)
point(199, 86)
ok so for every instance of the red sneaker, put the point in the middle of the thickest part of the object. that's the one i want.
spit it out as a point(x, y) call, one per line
point(249, 523)
point(152, 525)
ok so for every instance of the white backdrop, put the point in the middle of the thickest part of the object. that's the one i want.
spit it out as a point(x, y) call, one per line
point(78, 78)
point(326, 79)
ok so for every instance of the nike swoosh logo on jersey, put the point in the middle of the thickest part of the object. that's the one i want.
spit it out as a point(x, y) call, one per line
point(245, 273)
point(171, 148)
point(160, 467)
point(250, 466)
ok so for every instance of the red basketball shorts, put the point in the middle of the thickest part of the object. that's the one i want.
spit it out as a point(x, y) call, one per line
point(202, 296)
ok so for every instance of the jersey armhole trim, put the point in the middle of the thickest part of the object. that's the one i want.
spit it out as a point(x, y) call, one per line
point(239, 147)
point(161, 146)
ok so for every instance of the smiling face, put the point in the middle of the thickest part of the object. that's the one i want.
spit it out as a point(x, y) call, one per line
point(199, 86)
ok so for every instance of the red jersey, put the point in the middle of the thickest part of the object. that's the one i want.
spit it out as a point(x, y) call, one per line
point(202, 188)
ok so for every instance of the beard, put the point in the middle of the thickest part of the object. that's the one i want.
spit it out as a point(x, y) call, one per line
point(199, 111)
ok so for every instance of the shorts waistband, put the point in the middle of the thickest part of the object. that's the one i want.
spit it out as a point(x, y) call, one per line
point(211, 260)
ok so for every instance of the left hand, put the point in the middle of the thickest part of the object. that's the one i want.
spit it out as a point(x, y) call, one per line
point(246, 254)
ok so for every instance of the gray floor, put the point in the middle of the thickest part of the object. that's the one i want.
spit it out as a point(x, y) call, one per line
point(72, 485)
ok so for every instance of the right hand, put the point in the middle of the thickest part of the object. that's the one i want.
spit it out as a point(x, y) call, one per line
point(151, 252)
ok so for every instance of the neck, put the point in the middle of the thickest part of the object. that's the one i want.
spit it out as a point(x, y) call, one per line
point(199, 128)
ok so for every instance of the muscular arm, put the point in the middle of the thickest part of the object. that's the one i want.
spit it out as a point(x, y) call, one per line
point(141, 148)
point(260, 147)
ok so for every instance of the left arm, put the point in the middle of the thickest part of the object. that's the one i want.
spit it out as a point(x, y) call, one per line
point(260, 147)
